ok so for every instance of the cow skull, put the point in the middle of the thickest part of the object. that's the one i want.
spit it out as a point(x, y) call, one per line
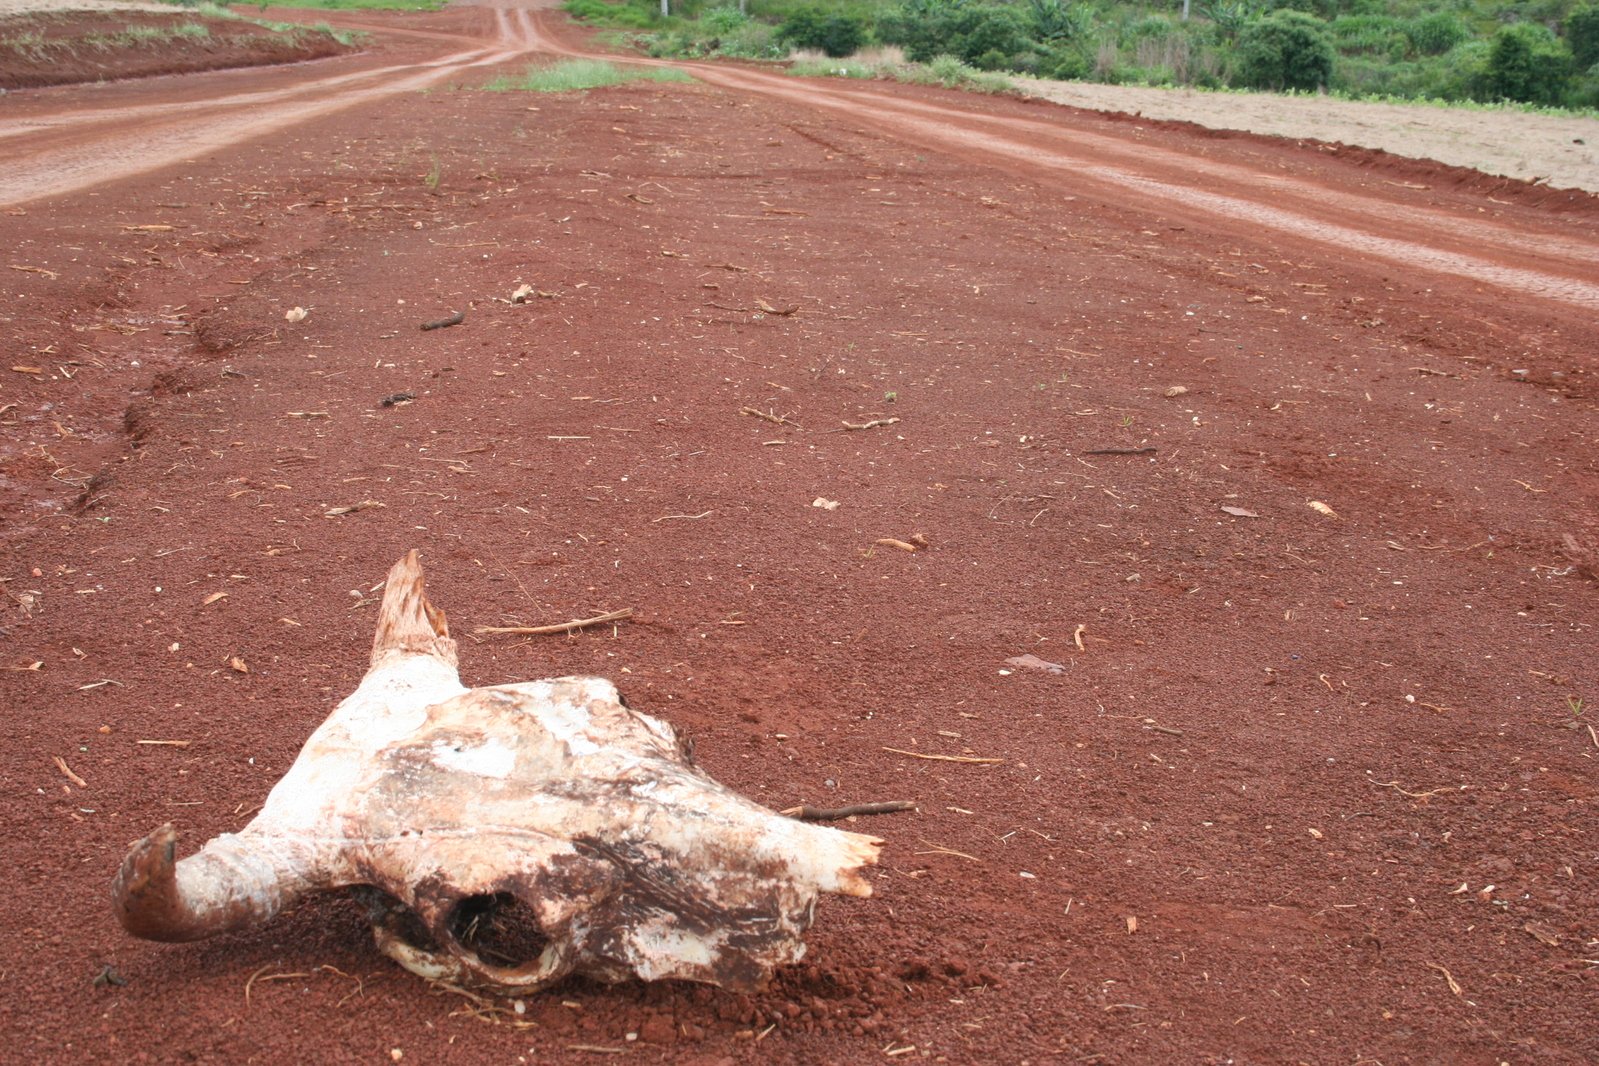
point(505, 837)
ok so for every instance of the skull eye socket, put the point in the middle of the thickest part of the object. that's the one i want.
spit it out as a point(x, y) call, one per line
point(499, 928)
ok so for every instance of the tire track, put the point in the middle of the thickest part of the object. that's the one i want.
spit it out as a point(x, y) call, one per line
point(54, 155)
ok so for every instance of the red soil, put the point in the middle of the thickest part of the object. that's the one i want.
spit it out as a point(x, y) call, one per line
point(76, 46)
point(1311, 787)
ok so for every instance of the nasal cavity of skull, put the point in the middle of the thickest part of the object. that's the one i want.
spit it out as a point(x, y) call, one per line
point(500, 929)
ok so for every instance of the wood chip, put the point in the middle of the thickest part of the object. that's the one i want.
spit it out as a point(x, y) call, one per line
point(1321, 508)
point(214, 597)
point(165, 743)
point(783, 312)
point(943, 758)
point(1239, 512)
point(364, 505)
point(238, 665)
point(1077, 637)
point(1454, 986)
point(1543, 933)
point(1033, 662)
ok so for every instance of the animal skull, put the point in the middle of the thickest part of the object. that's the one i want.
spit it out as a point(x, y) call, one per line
point(505, 837)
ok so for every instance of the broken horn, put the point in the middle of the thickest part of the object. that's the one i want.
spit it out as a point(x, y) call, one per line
point(504, 837)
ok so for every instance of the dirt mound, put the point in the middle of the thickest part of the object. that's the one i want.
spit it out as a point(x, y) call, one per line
point(66, 47)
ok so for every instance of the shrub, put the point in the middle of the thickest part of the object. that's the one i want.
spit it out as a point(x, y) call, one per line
point(1285, 50)
point(723, 20)
point(1435, 34)
point(835, 35)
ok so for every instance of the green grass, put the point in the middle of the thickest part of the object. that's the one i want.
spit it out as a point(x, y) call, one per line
point(572, 75)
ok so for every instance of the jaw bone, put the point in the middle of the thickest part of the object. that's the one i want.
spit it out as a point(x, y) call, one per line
point(505, 837)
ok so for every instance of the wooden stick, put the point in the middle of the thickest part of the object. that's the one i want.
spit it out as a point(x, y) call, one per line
point(559, 627)
point(61, 764)
point(873, 424)
point(807, 813)
point(942, 758)
point(1119, 451)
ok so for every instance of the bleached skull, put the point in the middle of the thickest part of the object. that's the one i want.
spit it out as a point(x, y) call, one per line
point(504, 837)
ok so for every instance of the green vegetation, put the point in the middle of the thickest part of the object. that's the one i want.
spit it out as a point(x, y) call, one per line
point(946, 71)
point(571, 75)
point(1542, 53)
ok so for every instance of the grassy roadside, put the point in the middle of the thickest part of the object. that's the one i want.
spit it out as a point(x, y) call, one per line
point(61, 47)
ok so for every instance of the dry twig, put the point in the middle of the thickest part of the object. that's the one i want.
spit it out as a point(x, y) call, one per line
point(807, 813)
point(1415, 795)
point(559, 627)
point(61, 764)
point(777, 420)
point(942, 758)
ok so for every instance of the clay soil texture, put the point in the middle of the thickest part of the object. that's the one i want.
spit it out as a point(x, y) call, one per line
point(67, 47)
point(1301, 544)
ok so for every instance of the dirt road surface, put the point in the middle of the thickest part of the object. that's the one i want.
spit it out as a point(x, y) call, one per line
point(1284, 456)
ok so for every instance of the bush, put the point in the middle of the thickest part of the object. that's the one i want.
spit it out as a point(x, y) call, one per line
point(835, 35)
point(1435, 34)
point(1285, 50)
point(1527, 64)
point(598, 11)
point(1371, 35)
point(724, 20)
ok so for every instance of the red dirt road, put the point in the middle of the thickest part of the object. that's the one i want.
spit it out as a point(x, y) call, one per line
point(1314, 783)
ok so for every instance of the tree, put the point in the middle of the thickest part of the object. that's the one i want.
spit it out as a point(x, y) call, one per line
point(1285, 50)
point(1528, 64)
point(1582, 35)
